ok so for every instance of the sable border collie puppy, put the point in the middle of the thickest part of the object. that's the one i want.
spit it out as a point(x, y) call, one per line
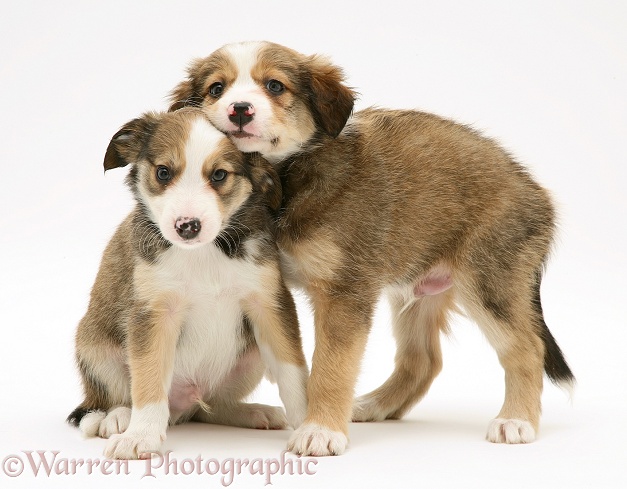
point(189, 306)
point(399, 202)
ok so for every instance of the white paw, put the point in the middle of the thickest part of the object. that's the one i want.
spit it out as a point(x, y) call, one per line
point(366, 409)
point(130, 446)
point(116, 422)
point(510, 431)
point(318, 441)
point(90, 424)
point(264, 417)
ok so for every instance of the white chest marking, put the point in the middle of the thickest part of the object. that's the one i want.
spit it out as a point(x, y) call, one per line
point(209, 286)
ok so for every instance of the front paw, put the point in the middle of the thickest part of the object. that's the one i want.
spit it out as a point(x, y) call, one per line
point(131, 446)
point(317, 441)
point(116, 422)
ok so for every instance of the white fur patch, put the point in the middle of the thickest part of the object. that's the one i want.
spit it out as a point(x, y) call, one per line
point(212, 285)
point(203, 139)
point(208, 287)
point(510, 431)
point(317, 441)
point(244, 57)
point(292, 383)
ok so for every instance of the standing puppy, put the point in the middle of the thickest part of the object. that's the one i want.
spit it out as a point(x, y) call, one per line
point(402, 202)
point(189, 303)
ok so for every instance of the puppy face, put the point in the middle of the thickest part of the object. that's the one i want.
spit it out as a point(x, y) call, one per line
point(266, 97)
point(189, 176)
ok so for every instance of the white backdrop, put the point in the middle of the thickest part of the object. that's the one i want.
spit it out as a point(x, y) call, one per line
point(546, 78)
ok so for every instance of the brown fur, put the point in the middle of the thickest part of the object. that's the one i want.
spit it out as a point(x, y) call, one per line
point(127, 341)
point(380, 207)
point(401, 193)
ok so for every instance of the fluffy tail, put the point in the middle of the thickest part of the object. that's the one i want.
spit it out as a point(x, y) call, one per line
point(79, 413)
point(555, 366)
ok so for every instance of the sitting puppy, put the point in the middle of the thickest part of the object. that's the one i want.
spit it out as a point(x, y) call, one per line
point(189, 306)
point(404, 203)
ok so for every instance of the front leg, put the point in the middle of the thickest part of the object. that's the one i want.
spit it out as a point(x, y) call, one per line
point(342, 324)
point(272, 314)
point(151, 344)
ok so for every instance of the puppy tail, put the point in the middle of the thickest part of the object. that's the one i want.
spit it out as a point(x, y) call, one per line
point(78, 414)
point(555, 366)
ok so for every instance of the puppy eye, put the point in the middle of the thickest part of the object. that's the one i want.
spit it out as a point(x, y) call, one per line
point(216, 89)
point(218, 175)
point(275, 87)
point(163, 174)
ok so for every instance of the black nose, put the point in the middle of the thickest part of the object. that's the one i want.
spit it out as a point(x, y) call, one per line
point(241, 113)
point(187, 228)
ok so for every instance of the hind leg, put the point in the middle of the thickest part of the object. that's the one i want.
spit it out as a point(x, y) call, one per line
point(509, 322)
point(225, 405)
point(106, 408)
point(245, 415)
point(418, 360)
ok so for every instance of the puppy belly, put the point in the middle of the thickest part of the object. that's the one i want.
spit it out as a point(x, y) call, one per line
point(246, 364)
point(183, 396)
point(435, 282)
point(186, 395)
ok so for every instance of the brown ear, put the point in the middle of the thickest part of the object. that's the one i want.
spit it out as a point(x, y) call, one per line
point(265, 179)
point(126, 145)
point(181, 96)
point(331, 101)
point(185, 94)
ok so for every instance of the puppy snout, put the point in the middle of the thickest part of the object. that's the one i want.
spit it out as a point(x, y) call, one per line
point(241, 113)
point(187, 228)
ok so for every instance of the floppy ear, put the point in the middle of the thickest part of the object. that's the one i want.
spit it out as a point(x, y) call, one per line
point(186, 94)
point(127, 144)
point(331, 101)
point(181, 95)
point(265, 179)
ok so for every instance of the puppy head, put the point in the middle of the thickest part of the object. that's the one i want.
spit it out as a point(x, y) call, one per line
point(266, 97)
point(189, 176)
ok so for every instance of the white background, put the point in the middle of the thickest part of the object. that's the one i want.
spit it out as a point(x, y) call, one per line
point(546, 78)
